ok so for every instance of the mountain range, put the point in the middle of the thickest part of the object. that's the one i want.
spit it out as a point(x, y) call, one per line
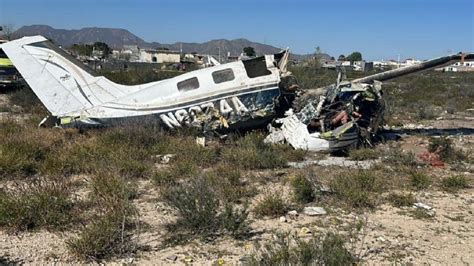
point(117, 38)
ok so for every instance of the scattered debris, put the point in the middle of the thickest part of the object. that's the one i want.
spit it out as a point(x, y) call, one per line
point(201, 141)
point(420, 205)
point(314, 211)
point(293, 214)
point(325, 189)
point(165, 158)
point(172, 258)
point(431, 158)
point(305, 231)
point(296, 134)
point(336, 161)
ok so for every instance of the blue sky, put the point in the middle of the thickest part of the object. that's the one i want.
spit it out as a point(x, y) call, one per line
point(380, 29)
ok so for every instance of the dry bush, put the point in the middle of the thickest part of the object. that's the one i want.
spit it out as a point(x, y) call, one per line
point(201, 213)
point(40, 203)
point(444, 147)
point(358, 189)
point(289, 249)
point(303, 191)
point(454, 183)
point(113, 221)
point(250, 152)
point(401, 200)
point(419, 180)
point(272, 205)
point(363, 154)
point(403, 161)
point(230, 184)
point(27, 100)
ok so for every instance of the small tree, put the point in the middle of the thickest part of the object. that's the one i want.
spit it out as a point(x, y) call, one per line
point(82, 49)
point(249, 51)
point(341, 58)
point(7, 31)
point(101, 46)
point(355, 56)
point(317, 58)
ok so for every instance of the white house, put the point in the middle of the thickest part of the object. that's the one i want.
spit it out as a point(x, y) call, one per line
point(159, 56)
point(465, 66)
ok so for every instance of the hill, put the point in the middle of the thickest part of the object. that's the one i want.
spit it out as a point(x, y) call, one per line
point(117, 38)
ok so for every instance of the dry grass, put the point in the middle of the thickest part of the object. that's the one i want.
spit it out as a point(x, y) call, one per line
point(112, 221)
point(40, 203)
point(358, 189)
point(303, 191)
point(271, 205)
point(288, 249)
point(454, 183)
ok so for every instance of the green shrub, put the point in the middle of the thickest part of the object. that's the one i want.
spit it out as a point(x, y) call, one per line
point(39, 204)
point(454, 183)
point(110, 192)
point(401, 200)
point(358, 189)
point(110, 232)
point(250, 152)
point(21, 157)
point(196, 204)
point(229, 184)
point(291, 250)
point(363, 154)
point(271, 205)
point(426, 112)
point(235, 221)
point(200, 213)
point(395, 156)
point(446, 150)
point(419, 180)
point(105, 237)
point(302, 189)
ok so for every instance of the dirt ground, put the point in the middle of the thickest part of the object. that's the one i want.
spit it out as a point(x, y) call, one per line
point(390, 234)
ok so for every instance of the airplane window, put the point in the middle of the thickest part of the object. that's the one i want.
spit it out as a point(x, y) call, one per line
point(223, 75)
point(188, 84)
point(256, 67)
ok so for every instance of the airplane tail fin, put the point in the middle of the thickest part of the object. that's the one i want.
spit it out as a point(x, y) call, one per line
point(62, 83)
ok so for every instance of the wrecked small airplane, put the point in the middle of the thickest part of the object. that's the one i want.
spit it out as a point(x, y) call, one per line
point(245, 94)
point(242, 94)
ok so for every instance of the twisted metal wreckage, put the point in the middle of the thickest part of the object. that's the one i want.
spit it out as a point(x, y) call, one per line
point(240, 95)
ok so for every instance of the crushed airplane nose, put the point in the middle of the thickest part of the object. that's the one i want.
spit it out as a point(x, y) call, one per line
point(295, 133)
point(344, 115)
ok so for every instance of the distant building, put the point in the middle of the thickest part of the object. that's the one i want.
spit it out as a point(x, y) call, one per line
point(329, 64)
point(130, 53)
point(411, 61)
point(159, 56)
point(464, 66)
point(363, 66)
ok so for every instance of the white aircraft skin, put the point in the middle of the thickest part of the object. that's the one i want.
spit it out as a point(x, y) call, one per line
point(77, 98)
